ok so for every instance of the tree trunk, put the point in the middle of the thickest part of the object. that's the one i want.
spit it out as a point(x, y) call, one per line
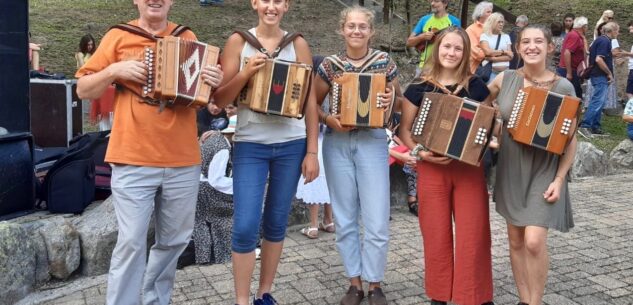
point(407, 8)
point(385, 11)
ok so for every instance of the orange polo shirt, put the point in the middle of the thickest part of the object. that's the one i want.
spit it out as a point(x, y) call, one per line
point(476, 53)
point(140, 134)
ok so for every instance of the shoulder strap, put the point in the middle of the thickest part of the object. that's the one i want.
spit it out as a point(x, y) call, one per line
point(143, 33)
point(498, 40)
point(442, 87)
point(336, 61)
point(179, 30)
point(372, 58)
point(134, 30)
point(288, 38)
point(253, 41)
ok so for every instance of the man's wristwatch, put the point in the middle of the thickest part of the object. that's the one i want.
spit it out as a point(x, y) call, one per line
point(415, 152)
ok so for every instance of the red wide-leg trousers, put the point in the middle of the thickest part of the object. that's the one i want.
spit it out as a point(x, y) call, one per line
point(459, 268)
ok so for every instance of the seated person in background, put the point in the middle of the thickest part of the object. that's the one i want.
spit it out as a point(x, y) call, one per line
point(214, 211)
point(399, 153)
point(34, 54)
point(211, 118)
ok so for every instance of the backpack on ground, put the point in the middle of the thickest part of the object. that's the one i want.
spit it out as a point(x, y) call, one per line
point(69, 185)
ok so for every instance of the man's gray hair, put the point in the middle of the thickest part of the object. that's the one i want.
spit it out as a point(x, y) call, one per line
point(522, 18)
point(610, 27)
point(480, 9)
point(580, 22)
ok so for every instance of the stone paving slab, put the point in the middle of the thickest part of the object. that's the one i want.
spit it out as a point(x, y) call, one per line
point(592, 264)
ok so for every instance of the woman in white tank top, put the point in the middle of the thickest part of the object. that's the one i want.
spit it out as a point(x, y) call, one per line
point(267, 148)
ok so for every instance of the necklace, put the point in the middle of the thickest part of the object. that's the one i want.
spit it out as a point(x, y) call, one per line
point(542, 84)
point(359, 58)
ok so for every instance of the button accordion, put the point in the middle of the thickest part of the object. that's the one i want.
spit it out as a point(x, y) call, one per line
point(454, 127)
point(279, 88)
point(543, 119)
point(354, 96)
point(174, 71)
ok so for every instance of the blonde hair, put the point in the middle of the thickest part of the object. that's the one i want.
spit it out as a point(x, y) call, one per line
point(492, 21)
point(432, 67)
point(356, 9)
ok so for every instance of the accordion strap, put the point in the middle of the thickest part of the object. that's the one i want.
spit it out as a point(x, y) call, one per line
point(442, 87)
point(143, 33)
point(253, 41)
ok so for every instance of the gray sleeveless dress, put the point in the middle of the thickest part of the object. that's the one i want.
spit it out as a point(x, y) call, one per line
point(524, 172)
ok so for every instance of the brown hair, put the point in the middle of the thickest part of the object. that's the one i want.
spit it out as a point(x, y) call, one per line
point(356, 9)
point(432, 67)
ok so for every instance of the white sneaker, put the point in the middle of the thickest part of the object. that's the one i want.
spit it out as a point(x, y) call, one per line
point(258, 252)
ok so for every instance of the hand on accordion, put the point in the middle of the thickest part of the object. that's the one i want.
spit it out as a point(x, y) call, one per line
point(429, 156)
point(254, 63)
point(385, 98)
point(212, 75)
point(334, 122)
point(130, 70)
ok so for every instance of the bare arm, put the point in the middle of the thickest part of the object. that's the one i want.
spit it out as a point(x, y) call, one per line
point(627, 118)
point(234, 79)
point(414, 40)
point(92, 86)
point(567, 58)
point(552, 194)
point(495, 87)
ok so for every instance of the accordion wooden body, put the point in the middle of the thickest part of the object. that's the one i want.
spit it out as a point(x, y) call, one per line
point(175, 67)
point(455, 127)
point(279, 88)
point(354, 96)
point(543, 119)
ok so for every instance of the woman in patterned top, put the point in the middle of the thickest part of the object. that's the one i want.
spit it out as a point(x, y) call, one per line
point(356, 162)
point(453, 194)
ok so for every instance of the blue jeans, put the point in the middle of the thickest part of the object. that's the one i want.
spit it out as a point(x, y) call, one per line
point(575, 80)
point(593, 114)
point(629, 130)
point(253, 165)
point(357, 170)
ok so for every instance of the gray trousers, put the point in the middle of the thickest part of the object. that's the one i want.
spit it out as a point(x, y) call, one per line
point(138, 192)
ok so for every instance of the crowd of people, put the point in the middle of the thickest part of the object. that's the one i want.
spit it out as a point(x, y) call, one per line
point(225, 176)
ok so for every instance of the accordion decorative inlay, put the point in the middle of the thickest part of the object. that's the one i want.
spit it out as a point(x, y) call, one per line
point(354, 96)
point(543, 119)
point(174, 71)
point(279, 88)
point(455, 127)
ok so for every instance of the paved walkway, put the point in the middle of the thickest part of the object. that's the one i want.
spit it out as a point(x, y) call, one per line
point(593, 264)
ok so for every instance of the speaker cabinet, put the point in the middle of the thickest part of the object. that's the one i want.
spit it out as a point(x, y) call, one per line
point(56, 112)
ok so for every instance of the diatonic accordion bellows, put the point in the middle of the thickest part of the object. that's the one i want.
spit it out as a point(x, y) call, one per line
point(279, 88)
point(455, 127)
point(174, 71)
point(354, 96)
point(543, 119)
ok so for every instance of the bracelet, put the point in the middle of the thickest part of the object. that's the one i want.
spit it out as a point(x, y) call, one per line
point(416, 150)
point(557, 176)
point(311, 153)
point(324, 118)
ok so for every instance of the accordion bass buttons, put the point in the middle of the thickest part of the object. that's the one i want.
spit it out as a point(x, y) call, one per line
point(421, 119)
point(566, 126)
point(480, 137)
point(516, 109)
point(149, 62)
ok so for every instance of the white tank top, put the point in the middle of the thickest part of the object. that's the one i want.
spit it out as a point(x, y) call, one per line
point(261, 128)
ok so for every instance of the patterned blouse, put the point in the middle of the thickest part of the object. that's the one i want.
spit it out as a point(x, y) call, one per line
point(377, 62)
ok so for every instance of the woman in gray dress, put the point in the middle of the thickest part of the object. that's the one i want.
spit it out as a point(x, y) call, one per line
point(531, 190)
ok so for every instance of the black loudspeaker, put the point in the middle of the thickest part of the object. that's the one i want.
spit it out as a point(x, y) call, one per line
point(16, 173)
point(16, 147)
point(14, 66)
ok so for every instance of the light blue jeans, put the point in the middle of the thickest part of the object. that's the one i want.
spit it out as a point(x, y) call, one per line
point(357, 171)
point(593, 114)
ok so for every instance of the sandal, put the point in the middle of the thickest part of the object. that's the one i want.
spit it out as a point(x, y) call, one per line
point(311, 233)
point(413, 207)
point(329, 228)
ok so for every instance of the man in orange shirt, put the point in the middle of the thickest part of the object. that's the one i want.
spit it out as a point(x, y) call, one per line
point(480, 14)
point(155, 160)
